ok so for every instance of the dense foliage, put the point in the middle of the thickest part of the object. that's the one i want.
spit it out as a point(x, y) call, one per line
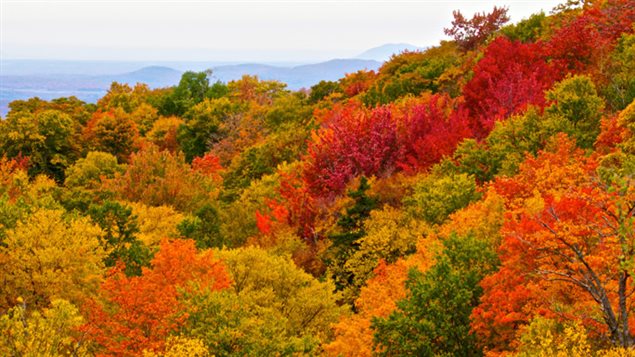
point(475, 198)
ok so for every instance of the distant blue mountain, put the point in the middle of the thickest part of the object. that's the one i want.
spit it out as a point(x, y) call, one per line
point(384, 52)
point(297, 77)
point(154, 76)
point(53, 79)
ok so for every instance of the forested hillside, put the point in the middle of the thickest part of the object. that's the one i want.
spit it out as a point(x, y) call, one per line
point(475, 198)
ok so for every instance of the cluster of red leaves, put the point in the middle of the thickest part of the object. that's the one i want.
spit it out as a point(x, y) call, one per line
point(584, 40)
point(275, 213)
point(510, 77)
point(208, 165)
point(9, 166)
point(355, 141)
point(429, 130)
point(299, 202)
point(468, 34)
point(514, 75)
point(375, 142)
point(138, 313)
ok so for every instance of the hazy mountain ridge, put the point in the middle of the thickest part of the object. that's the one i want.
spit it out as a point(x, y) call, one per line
point(85, 87)
point(22, 79)
point(299, 76)
point(384, 52)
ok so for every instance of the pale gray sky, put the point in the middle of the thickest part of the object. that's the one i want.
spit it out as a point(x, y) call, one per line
point(257, 30)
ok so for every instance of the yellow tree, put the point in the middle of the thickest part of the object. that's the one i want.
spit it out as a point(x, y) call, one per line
point(272, 308)
point(155, 223)
point(390, 234)
point(177, 346)
point(164, 133)
point(48, 255)
point(51, 332)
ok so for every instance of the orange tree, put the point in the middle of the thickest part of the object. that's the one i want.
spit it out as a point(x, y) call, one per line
point(138, 313)
point(568, 250)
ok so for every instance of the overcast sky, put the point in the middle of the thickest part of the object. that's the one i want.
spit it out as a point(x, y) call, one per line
point(227, 30)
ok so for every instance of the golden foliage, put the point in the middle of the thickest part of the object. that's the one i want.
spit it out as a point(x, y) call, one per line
point(547, 338)
point(177, 346)
point(48, 255)
point(155, 223)
point(49, 333)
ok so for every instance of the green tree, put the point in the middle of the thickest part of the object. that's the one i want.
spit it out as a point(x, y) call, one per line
point(346, 240)
point(120, 227)
point(203, 125)
point(88, 172)
point(84, 184)
point(284, 146)
point(436, 196)
point(576, 100)
point(239, 217)
point(324, 89)
point(508, 143)
point(351, 224)
point(288, 109)
point(203, 227)
point(46, 138)
point(620, 71)
point(412, 73)
point(192, 89)
point(526, 30)
point(434, 318)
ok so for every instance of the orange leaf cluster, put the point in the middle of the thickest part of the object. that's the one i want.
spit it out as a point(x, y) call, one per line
point(138, 313)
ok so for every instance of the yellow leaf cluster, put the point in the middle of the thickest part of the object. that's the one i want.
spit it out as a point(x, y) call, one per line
point(48, 255)
point(155, 223)
point(47, 333)
point(390, 234)
point(547, 338)
point(482, 219)
point(177, 346)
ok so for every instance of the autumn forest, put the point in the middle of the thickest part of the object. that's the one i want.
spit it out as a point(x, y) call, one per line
point(476, 198)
